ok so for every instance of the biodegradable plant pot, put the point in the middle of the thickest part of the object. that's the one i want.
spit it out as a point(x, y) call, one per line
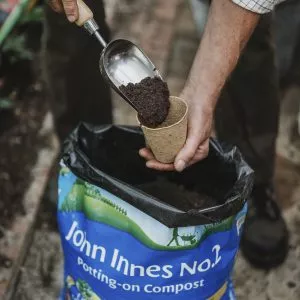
point(166, 140)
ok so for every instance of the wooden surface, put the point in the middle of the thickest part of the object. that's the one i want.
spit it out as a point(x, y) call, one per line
point(84, 13)
point(17, 239)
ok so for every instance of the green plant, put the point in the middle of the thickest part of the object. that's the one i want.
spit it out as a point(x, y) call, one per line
point(73, 201)
point(93, 192)
point(64, 171)
point(35, 15)
point(84, 289)
point(6, 103)
point(16, 45)
point(11, 21)
point(13, 42)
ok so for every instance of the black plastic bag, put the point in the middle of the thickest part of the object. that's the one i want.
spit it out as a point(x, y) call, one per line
point(101, 190)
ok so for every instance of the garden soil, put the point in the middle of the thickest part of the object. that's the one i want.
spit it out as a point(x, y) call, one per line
point(151, 99)
point(177, 195)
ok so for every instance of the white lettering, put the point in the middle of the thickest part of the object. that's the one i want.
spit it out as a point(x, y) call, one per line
point(78, 238)
point(201, 267)
point(77, 242)
point(147, 288)
point(114, 258)
point(79, 261)
point(188, 286)
point(168, 272)
point(168, 289)
point(217, 249)
point(126, 287)
point(141, 269)
point(125, 262)
point(86, 244)
point(178, 288)
point(103, 252)
point(186, 267)
point(173, 289)
point(151, 270)
point(71, 231)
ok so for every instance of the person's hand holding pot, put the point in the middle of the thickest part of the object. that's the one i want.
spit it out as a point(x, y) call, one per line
point(227, 31)
point(200, 119)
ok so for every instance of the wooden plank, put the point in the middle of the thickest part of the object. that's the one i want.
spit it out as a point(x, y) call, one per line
point(17, 239)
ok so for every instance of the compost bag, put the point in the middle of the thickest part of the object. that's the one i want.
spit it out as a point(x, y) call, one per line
point(129, 232)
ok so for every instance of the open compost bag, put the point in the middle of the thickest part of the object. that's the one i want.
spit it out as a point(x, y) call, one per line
point(131, 233)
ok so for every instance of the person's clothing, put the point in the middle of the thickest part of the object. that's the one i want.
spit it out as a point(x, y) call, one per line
point(258, 6)
point(248, 109)
point(71, 57)
point(287, 42)
point(247, 115)
point(265, 239)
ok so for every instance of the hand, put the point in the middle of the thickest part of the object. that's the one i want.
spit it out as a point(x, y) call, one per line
point(196, 147)
point(68, 6)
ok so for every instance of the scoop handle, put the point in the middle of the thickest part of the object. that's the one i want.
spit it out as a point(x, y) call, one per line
point(84, 13)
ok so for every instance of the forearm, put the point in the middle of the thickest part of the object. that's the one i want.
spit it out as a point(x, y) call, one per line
point(228, 29)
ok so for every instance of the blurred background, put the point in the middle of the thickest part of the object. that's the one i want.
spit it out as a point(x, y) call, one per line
point(169, 32)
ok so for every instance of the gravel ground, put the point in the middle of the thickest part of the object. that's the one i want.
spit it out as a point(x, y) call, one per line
point(42, 273)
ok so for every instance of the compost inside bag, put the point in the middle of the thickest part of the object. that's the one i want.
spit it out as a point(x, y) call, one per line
point(129, 232)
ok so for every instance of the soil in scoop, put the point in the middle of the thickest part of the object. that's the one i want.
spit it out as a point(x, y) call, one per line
point(151, 99)
point(177, 195)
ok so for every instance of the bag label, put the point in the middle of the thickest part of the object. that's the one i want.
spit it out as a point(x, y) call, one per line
point(114, 251)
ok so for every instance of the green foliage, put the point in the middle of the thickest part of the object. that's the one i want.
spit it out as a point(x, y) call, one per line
point(113, 205)
point(84, 289)
point(64, 171)
point(93, 192)
point(73, 201)
point(16, 46)
point(217, 227)
point(15, 43)
point(87, 198)
point(35, 15)
point(6, 103)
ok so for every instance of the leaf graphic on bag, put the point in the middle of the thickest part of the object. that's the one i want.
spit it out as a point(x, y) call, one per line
point(73, 201)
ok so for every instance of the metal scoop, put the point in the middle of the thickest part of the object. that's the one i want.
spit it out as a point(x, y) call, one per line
point(121, 61)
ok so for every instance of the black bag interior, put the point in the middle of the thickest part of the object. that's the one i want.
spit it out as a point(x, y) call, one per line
point(107, 156)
